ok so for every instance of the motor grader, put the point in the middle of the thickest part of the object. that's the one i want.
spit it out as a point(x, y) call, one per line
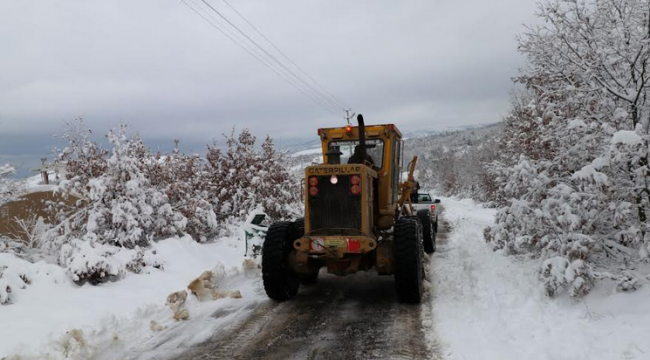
point(358, 216)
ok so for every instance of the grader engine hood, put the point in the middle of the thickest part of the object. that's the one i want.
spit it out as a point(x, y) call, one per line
point(339, 200)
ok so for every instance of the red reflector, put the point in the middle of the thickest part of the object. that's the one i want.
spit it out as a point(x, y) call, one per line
point(319, 132)
point(355, 180)
point(355, 189)
point(354, 246)
point(348, 128)
point(313, 191)
point(313, 181)
point(392, 127)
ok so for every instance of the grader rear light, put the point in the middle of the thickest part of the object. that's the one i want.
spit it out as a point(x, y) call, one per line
point(313, 181)
point(355, 190)
point(334, 180)
point(313, 191)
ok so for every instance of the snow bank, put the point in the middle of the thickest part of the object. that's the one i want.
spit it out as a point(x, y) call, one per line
point(115, 318)
point(489, 306)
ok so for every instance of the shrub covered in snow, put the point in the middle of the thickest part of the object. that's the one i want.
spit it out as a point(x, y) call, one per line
point(573, 168)
point(133, 197)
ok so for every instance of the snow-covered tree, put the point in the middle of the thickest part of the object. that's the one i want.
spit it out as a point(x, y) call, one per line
point(124, 208)
point(123, 213)
point(245, 178)
point(574, 170)
point(189, 189)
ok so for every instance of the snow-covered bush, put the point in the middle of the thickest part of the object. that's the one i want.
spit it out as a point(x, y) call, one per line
point(573, 164)
point(124, 209)
point(89, 260)
point(131, 197)
point(244, 178)
point(17, 274)
point(84, 159)
point(183, 180)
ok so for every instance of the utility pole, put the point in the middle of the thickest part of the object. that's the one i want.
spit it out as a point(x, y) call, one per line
point(348, 116)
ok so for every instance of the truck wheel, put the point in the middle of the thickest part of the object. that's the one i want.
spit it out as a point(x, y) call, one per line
point(280, 282)
point(409, 264)
point(428, 231)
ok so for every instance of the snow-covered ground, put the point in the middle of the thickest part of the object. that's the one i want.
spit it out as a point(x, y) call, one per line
point(489, 306)
point(484, 306)
point(115, 317)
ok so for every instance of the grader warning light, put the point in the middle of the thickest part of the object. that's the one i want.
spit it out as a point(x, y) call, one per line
point(358, 216)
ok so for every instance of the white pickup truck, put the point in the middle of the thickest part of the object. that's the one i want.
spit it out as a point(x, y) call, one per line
point(424, 205)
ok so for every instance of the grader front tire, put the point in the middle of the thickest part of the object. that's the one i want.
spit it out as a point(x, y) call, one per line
point(280, 281)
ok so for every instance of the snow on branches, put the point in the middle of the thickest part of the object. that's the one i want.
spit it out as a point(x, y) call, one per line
point(573, 171)
point(131, 197)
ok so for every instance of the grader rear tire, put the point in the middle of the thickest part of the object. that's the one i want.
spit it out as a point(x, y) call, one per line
point(409, 260)
point(280, 282)
point(428, 231)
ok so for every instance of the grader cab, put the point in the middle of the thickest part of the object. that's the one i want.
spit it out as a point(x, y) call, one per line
point(358, 216)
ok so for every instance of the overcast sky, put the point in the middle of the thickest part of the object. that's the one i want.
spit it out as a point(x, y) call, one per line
point(158, 66)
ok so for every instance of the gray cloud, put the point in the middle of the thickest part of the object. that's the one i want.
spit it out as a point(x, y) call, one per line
point(422, 64)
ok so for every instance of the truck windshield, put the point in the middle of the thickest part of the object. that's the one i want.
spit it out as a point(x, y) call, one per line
point(424, 197)
point(375, 149)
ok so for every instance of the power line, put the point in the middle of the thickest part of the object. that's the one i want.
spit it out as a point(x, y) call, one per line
point(273, 58)
point(241, 44)
point(331, 96)
point(251, 51)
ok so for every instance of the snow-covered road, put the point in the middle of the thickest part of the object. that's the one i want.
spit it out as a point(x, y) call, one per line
point(355, 317)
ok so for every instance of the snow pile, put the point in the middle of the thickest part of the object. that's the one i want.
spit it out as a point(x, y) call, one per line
point(491, 307)
point(53, 318)
point(17, 275)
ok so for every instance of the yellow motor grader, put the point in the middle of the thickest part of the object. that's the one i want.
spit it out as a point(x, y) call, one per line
point(358, 216)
